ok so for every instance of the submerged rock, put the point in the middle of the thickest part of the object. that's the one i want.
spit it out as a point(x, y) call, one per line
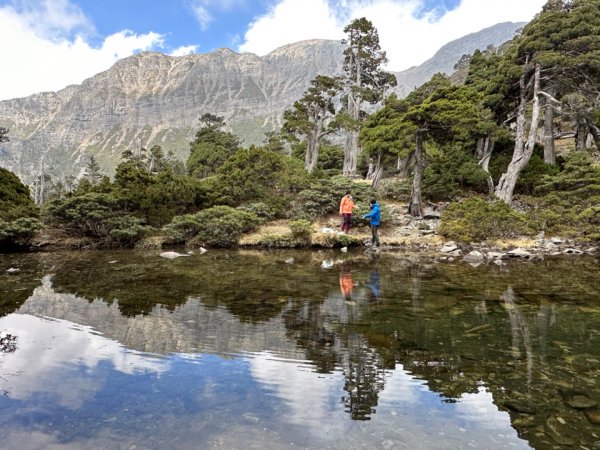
point(172, 255)
point(581, 402)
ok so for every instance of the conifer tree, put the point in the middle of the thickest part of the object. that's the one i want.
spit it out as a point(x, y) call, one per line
point(311, 117)
point(365, 81)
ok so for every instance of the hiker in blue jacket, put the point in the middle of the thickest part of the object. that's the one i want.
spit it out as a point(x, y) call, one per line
point(375, 217)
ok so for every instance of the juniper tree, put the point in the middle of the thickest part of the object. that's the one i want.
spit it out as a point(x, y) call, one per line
point(311, 117)
point(365, 82)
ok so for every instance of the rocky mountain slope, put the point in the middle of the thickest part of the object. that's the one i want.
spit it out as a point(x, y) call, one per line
point(151, 98)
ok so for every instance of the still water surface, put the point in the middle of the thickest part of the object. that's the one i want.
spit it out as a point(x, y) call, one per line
point(126, 350)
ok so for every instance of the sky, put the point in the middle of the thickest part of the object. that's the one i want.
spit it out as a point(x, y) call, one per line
point(46, 45)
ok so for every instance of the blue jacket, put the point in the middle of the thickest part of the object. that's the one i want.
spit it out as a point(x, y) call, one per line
point(374, 215)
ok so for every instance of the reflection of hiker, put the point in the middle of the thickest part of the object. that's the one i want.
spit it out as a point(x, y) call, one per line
point(374, 285)
point(346, 283)
point(374, 217)
point(346, 207)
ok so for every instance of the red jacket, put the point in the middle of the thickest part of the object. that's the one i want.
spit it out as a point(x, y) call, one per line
point(347, 205)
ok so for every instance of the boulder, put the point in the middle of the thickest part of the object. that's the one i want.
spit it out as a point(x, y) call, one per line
point(449, 247)
point(12, 270)
point(519, 253)
point(474, 257)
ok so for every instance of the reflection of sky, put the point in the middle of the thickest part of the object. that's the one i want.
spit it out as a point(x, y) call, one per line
point(48, 347)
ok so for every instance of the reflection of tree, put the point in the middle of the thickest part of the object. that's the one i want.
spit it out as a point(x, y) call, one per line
point(306, 325)
point(365, 378)
point(519, 331)
point(8, 343)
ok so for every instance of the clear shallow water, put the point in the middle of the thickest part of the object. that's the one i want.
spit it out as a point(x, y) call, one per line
point(241, 350)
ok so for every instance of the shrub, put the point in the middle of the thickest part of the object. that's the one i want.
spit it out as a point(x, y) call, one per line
point(452, 172)
point(395, 189)
point(475, 219)
point(219, 226)
point(263, 211)
point(301, 229)
point(19, 232)
point(15, 201)
point(323, 197)
point(96, 215)
point(567, 203)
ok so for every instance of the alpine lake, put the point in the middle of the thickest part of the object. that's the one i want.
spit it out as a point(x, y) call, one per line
point(297, 349)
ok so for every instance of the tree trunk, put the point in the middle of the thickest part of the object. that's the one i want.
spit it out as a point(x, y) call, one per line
point(404, 164)
point(415, 207)
point(549, 151)
point(313, 145)
point(485, 148)
point(351, 147)
point(581, 134)
point(371, 170)
point(523, 148)
point(378, 171)
point(595, 132)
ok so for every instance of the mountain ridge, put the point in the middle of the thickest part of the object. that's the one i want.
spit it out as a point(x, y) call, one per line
point(152, 98)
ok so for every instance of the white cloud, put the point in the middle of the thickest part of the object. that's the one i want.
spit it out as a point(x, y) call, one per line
point(184, 50)
point(38, 55)
point(408, 37)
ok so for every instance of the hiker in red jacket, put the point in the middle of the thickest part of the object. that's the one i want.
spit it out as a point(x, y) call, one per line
point(346, 207)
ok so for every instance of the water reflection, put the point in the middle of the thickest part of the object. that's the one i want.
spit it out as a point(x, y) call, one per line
point(390, 352)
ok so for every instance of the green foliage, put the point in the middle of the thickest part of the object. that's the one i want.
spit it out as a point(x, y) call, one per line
point(96, 215)
point(324, 196)
point(451, 172)
point(211, 148)
point(301, 229)
point(257, 175)
point(567, 203)
point(155, 198)
point(475, 219)
point(396, 189)
point(263, 211)
point(19, 232)
point(15, 201)
point(364, 56)
point(219, 226)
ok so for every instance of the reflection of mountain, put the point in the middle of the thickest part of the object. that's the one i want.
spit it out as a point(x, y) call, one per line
point(189, 328)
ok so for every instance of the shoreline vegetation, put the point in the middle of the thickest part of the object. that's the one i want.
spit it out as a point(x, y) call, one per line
point(499, 160)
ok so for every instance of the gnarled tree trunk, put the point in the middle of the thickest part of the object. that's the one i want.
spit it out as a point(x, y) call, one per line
point(415, 207)
point(485, 147)
point(523, 148)
point(351, 147)
point(377, 171)
point(549, 151)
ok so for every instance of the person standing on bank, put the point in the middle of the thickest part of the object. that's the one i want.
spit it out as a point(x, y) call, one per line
point(375, 218)
point(346, 207)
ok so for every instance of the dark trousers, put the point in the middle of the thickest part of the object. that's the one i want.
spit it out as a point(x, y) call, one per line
point(346, 221)
point(375, 235)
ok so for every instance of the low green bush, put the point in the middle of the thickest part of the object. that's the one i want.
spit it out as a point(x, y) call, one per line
point(301, 229)
point(263, 211)
point(219, 226)
point(397, 189)
point(476, 219)
point(566, 203)
point(19, 232)
point(96, 215)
